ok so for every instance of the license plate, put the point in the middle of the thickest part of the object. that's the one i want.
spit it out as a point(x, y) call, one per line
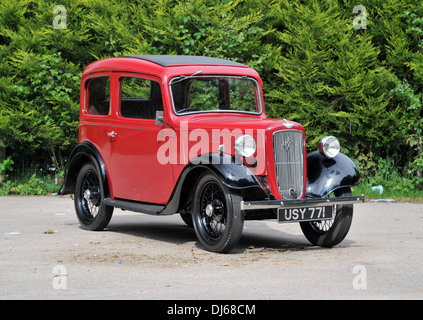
point(305, 214)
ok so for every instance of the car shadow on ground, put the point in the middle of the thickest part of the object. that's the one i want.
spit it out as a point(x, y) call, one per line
point(256, 235)
point(159, 228)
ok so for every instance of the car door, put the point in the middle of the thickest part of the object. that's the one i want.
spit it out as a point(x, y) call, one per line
point(135, 171)
point(95, 116)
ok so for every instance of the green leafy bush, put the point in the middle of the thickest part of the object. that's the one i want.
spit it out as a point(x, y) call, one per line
point(6, 165)
point(363, 85)
point(29, 184)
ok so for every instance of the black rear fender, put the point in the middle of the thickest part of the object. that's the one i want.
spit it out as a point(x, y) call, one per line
point(83, 153)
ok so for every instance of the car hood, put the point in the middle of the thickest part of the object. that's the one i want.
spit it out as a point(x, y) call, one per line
point(235, 122)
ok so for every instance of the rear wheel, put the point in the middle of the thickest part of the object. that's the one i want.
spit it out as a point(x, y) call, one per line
point(217, 216)
point(329, 233)
point(92, 213)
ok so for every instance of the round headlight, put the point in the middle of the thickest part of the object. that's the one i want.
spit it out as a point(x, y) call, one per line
point(329, 146)
point(245, 145)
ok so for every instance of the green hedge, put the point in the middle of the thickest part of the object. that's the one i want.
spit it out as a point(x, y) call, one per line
point(362, 83)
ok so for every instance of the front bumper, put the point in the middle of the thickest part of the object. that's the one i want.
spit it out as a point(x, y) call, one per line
point(303, 203)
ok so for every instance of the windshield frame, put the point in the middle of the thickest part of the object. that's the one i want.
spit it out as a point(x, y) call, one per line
point(257, 91)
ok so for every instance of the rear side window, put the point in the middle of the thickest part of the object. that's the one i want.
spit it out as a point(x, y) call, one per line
point(98, 96)
point(140, 98)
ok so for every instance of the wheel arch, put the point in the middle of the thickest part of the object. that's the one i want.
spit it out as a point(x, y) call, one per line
point(83, 153)
point(235, 176)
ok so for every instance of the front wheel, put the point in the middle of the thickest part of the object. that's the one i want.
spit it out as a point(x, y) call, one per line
point(91, 211)
point(329, 233)
point(217, 217)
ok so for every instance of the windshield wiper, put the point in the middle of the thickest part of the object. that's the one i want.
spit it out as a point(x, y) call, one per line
point(182, 78)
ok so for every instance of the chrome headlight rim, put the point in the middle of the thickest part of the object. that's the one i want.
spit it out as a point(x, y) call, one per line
point(329, 146)
point(245, 146)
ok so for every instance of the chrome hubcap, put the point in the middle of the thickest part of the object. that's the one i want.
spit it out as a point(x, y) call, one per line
point(209, 210)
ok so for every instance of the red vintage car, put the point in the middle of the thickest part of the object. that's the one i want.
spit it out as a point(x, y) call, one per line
point(189, 135)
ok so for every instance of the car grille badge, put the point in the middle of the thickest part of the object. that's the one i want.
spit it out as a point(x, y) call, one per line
point(288, 124)
point(286, 143)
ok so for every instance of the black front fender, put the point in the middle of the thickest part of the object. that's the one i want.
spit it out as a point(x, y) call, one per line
point(235, 176)
point(325, 175)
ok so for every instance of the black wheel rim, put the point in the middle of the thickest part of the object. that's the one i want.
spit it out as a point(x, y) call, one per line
point(213, 212)
point(90, 195)
point(323, 226)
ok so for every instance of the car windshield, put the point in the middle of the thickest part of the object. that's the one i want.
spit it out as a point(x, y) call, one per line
point(216, 93)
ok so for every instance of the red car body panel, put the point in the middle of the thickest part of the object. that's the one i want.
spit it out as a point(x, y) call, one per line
point(131, 156)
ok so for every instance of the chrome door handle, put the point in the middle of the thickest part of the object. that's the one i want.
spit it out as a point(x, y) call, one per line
point(111, 134)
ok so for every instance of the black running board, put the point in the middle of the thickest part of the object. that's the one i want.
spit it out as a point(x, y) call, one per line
point(134, 206)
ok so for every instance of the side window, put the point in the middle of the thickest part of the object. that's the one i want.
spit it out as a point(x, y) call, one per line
point(140, 98)
point(98, 97)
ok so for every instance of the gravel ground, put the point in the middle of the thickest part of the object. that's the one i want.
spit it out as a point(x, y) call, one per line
point(45, 255)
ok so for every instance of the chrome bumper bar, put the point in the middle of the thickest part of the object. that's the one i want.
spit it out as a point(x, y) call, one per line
point(315, 202)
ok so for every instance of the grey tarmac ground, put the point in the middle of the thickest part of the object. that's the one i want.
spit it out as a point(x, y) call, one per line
point(45, 255)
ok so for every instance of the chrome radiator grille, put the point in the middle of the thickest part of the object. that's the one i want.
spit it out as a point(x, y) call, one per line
point(288, 151)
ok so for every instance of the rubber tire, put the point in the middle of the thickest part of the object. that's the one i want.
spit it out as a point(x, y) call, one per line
point(105, 212)
point(234, 217)
point(187, 218)
point(339, 229)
